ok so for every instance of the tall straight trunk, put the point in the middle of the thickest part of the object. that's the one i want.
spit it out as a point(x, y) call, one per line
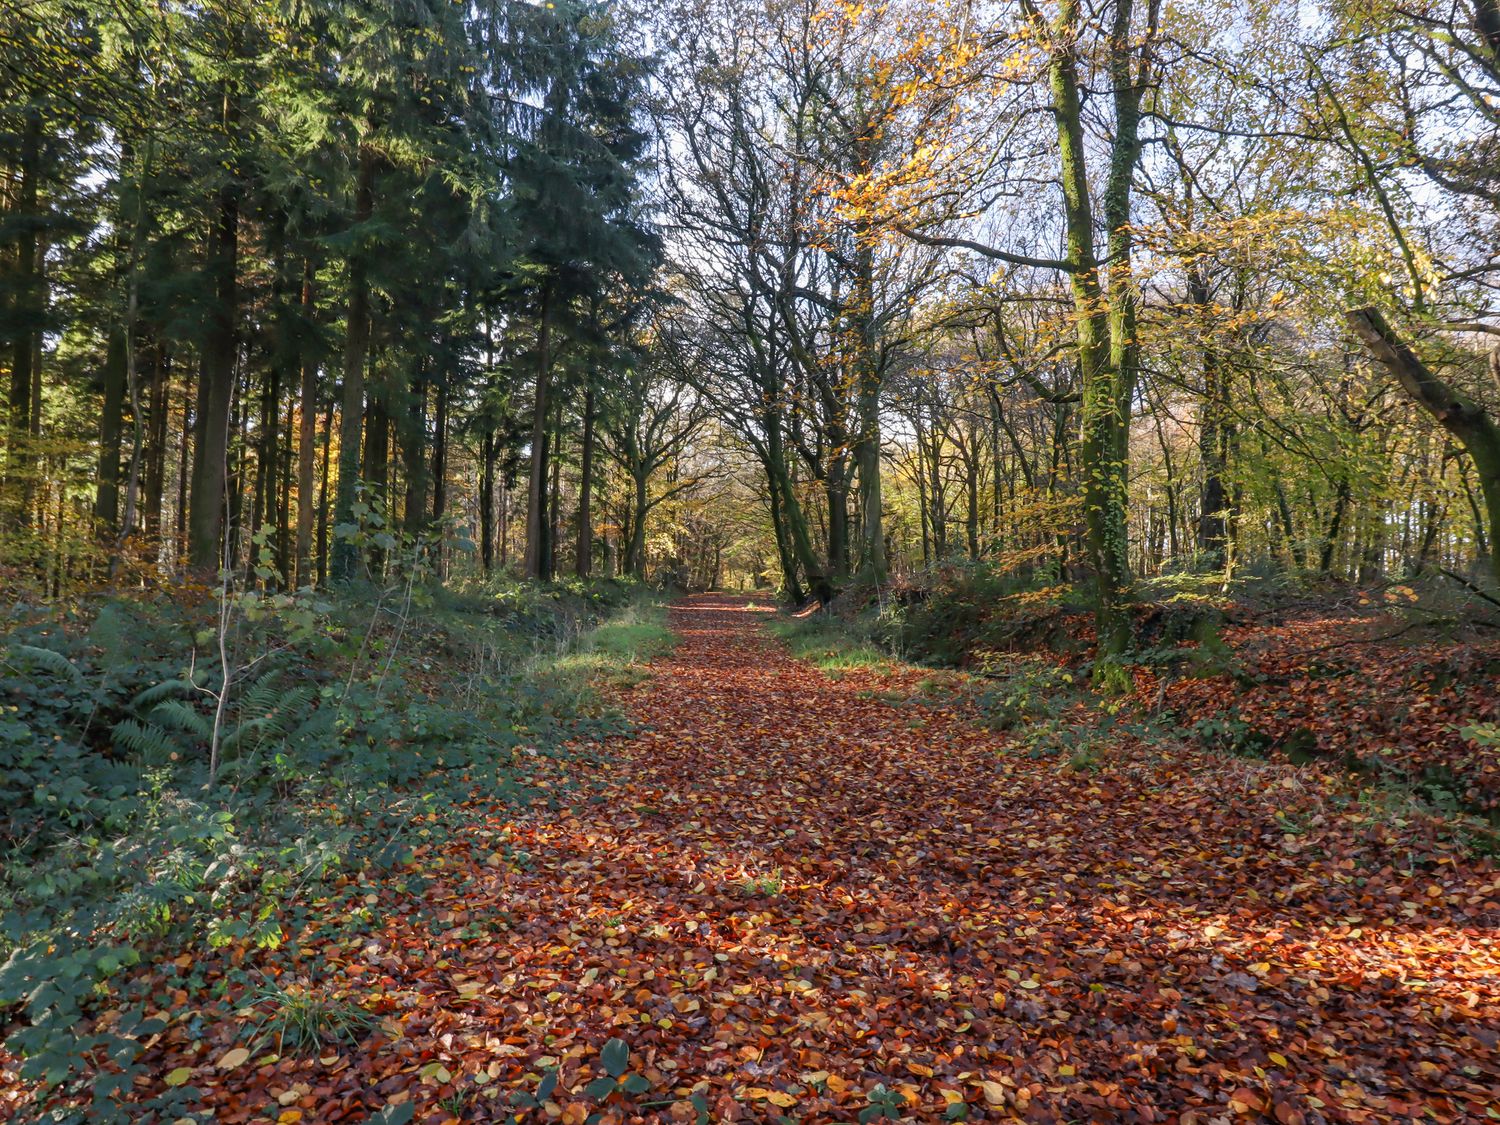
point(112, 433)
point(554, 496)
point(263, 511)
point(375, 465)
point(237, 466)
point(284, 561)
point(156, 461)
point(971, 519)
point(206, 503)
point(184, 461)
point(306, 438)
point(873, 564)
point(1460, 415)
point(487, 458)
point(583, 564)
point(413, 435)
point(324, 562)
point(356, 345)
point(440, 461)
point(640, 509)
point(924, 515)
point(536, 514)
point(283, 371)
point(1214, 433)
point(440, 452)
point(26, 313)
point(836, 492)
point(504, 522)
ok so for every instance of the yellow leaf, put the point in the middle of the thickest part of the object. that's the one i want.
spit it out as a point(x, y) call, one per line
point(775, 1097)
point(179, 1076)
point(994, 1093)
point(237, 1057)
point(1278, 1059)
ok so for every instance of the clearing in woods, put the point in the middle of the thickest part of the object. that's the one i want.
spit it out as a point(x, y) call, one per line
point(813, 899)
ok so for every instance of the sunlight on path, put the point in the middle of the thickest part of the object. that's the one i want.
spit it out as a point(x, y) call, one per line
point(791, 892)
point(796, 898)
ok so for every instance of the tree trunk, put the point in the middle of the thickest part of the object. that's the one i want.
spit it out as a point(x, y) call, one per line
point(111, 434)
point(307, 423)
point(873, 563)
point(356, 344)
point(584, 561)
point(1213, 443)
point(536, 514)
point(413, 435)
point(156, 462)
point(554, 496)
point(487, 501)
point(184, 461)
point(323, 505)
point(206, 504)
point(440, 461)
point(1106, 337)
point(637, 553)
point(26, 313)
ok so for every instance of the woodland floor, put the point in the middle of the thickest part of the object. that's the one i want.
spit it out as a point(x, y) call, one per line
point(787, 890)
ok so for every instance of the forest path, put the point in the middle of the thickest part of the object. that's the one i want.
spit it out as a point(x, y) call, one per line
point(809, 899)
point(791, 889)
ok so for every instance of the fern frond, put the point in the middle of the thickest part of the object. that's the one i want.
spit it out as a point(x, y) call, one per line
point(144, 739)
point(154, 694)
point(49, 661)
point(174, 714)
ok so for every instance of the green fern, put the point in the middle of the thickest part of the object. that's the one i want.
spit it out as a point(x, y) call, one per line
point(267, 710)
point(49, 661)
point(145, 739)
point(167, 689)
point(174, 714)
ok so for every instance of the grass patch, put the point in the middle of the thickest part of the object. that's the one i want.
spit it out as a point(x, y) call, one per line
point(617, 653)
point(302, 1020)
point(829, 643)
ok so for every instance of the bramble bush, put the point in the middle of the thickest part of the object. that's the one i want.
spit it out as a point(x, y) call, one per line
point(184, 768)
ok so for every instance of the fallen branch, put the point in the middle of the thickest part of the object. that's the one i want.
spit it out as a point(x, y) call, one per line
point(1468, 585)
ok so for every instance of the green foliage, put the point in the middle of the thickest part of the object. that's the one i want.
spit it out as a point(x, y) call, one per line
point(968, 607)
point(885, 1105)
point(768, 885)
point(1111, 676)
point(1226, 733)
point(831, 643)
point(301, 1019)
point(617, 1077)
point(1017, 690)
point(401, 703)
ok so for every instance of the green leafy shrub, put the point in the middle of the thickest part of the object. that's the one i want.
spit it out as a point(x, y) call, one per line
point(176, 774)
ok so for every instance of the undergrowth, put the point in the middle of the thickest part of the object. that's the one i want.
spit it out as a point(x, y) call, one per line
point(182, 773)
point(829, 643)
point(1014, 652)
